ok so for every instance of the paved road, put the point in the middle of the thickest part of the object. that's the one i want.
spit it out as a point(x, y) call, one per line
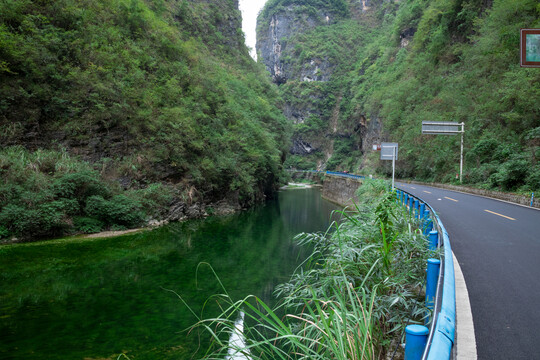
point(498, 248)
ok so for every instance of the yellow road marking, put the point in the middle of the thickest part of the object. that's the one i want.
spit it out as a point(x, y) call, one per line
point(504, 216)
point(446, 197)
point(413, 188)
point(427, 192)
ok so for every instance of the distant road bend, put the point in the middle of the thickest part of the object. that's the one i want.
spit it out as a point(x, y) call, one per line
point(497, 245)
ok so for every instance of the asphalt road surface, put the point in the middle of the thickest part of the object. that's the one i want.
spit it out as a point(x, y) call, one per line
point(497, 245)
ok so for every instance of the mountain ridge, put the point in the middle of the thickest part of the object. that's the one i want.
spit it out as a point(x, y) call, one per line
point(392, 65)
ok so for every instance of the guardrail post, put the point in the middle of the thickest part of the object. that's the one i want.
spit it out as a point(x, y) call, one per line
point(428, 223)
point(433, 268)
point(415, 341)
point(433, 240)
point(421, 213)
point(411, 203)
point(415, 206)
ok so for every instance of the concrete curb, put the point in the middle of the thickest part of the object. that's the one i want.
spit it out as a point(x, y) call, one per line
point(465, 337)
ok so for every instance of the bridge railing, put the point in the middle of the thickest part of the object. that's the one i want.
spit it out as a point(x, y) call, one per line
point(352, 176)
point(441, 336)
point(337, 173)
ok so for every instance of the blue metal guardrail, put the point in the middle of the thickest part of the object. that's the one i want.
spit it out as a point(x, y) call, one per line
point(337, 173)
point(352, 176)
point(442, 330)
point(441, 336)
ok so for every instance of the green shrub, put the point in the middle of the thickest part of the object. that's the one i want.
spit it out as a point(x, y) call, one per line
point(511, 175)
point(116, 227)
point(125, 211)
point(300, 162)
point(119, 210)
point(80, 186)
point(43, 220)
point(533, 180)
point(14, 217)
point(4, 232)
point(154, 199)
point(87, 225)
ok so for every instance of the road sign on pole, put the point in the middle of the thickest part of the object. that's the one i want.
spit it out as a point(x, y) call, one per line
point(441, 128)
point(446, 128)
point(389, 151)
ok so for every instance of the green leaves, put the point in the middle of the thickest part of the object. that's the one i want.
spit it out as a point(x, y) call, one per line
point(48, 193)
point(172, 84)
point(351, 298)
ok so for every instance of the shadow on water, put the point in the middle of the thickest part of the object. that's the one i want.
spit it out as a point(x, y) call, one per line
point(97, 298)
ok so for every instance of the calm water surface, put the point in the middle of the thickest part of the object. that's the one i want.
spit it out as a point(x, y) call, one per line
point(95, 299)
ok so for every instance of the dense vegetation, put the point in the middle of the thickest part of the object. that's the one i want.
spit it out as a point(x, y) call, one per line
point(306, 7)
point(401, 63)
point(144, 90)
point(359, 289)
point(49, 193)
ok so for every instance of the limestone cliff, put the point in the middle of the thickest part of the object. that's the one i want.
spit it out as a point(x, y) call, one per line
point(308, 50)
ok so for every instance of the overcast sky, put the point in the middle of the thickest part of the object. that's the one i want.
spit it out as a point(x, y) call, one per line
point(250, 9)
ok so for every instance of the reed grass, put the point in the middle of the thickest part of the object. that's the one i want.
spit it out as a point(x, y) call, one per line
point(352, 297)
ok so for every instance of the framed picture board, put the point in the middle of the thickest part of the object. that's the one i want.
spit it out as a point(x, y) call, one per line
point(530, 48)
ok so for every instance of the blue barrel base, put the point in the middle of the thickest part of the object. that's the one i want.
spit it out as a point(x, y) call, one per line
point(415, 341)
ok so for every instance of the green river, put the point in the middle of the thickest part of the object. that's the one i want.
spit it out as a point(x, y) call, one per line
point(97, 298)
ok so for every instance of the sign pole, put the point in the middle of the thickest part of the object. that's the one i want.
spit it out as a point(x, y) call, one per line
point(393, 165)
point(389, 151)
point(446, 128)
point(461, 161)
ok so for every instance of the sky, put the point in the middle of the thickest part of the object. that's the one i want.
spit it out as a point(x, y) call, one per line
point(250, 9)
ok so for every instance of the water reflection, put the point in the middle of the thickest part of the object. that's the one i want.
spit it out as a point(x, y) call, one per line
point(95, 299)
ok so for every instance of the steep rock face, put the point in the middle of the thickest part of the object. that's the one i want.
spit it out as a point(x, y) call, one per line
point(273, 35)
point(308, 51)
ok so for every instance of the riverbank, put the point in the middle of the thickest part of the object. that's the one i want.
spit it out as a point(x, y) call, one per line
point(179, 211)
point(94, 298)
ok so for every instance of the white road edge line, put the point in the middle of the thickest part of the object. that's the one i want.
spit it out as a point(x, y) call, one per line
point(465, 338)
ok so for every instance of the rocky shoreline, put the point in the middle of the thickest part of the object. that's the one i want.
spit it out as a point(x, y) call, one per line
point(179, 211)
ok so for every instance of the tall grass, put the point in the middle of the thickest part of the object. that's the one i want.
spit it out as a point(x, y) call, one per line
point(352, 297)
point(337, 325)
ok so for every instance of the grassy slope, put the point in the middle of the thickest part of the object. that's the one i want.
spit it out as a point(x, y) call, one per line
point(462, 65)
point(145, 90)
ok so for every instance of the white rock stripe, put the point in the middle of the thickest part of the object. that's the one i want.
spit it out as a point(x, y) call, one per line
point(237, 346)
